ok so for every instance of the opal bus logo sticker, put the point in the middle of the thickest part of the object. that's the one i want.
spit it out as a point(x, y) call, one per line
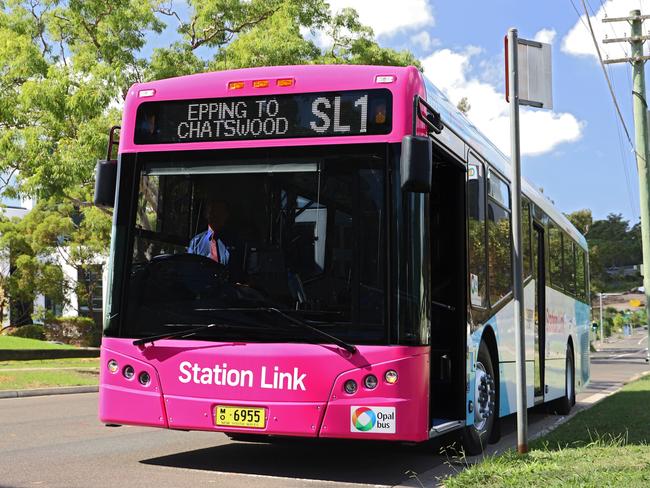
point(372, 419)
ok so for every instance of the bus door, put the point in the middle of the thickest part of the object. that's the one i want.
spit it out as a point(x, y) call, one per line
point(448, 252)
point(539, 273)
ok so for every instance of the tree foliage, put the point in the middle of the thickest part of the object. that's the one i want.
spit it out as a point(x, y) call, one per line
point(613, 243)
point(65, 68)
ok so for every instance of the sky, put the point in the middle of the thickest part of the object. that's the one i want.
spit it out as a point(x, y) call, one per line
point(577, 153)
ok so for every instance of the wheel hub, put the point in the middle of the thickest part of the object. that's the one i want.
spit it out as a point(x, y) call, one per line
point(484, 396)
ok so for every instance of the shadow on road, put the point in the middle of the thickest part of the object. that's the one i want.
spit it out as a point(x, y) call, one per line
point(369, 462)
point(343, 461)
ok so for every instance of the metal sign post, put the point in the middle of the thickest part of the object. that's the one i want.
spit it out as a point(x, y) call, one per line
point(529, 77)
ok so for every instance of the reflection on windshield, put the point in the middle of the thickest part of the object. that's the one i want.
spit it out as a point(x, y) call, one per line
point(304, 238)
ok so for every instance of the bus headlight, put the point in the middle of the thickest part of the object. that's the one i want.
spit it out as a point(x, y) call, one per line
point(128, 372)
point(113, 366)
point(144, 378)
point(370, 381)
point(391, 376)
point(350, 387)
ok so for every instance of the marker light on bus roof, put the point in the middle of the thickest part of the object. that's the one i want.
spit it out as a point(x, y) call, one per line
point(146, 93)
point(384, 79)
point(261, 84)
point(284, 82)
point(235, 85)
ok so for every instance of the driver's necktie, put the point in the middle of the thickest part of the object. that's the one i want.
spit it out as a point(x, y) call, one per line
point(214, 249)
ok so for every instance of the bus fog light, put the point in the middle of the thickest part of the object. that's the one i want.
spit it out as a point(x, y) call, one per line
point(391, 376)
point(350, 387)
point(128, 372)
point(144, 378)
point(113, 366)
point(370, 381)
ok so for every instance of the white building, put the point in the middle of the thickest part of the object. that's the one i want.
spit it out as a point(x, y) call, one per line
point(12, 312)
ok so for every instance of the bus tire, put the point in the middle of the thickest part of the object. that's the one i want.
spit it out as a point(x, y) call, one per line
point(476, 437)
point(565, 403)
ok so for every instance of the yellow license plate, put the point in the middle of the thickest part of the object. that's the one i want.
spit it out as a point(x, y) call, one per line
point(229, 416)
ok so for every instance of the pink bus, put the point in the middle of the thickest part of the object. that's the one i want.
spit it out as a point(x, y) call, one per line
point(324, 251)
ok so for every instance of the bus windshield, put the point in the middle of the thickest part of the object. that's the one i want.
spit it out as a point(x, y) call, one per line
point(220, 241)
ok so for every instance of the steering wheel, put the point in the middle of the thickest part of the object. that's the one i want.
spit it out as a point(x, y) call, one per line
point(187, 260)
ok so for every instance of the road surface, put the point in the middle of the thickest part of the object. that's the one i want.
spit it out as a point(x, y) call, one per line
point(57, 441)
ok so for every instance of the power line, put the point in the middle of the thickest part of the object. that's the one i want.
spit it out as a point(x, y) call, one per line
point(609, 83)
point(589, 27)
point(602, 5)
point(624, 161)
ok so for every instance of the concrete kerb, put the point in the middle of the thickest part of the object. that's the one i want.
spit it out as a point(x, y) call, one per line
point(65, 390)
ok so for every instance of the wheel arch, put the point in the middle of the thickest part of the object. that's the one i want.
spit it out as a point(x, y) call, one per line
point(569, 344)
point(489, 337)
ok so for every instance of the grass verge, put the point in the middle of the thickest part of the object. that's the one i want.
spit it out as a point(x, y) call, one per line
point(606, 445)
point(9, 342)
point(22, 375)
point(25, 380)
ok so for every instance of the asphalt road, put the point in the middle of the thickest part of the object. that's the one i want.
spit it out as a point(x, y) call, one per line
point(57, 441)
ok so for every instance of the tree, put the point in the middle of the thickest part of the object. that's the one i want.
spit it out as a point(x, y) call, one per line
point(582, 220)
point(66, 66)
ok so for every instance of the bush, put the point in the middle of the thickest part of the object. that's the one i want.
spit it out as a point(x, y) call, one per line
point(29, 332)
point(79, 331)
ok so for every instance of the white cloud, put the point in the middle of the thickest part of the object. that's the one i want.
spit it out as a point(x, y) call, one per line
point(545, 35)
point(423, 41)
point(580, 43)
point(389, 16)
point(541, 131)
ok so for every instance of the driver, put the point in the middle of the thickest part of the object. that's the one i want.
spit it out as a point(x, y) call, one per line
point(208, 243)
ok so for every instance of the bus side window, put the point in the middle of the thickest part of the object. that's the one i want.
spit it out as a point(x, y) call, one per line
point(525, 236)
point(569, 266)
point(499, 246)
point(555, 255)
point(581, 285)
point(476, 237)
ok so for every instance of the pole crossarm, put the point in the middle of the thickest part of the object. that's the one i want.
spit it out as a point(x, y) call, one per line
point(629, 59)
point(627, 39)
point(631, 18)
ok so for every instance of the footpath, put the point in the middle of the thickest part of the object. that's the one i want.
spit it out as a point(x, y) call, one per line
point(617, 362)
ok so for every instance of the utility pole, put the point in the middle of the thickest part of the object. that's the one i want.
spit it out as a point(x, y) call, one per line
point(637, 40)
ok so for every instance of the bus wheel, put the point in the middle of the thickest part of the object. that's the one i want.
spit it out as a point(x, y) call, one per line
point(476, 437)
point(565, 403)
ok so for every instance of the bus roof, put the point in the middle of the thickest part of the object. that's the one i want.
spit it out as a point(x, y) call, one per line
point(406, 82)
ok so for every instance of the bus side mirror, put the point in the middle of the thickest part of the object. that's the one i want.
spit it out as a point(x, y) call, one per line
point(105, 180)
point(415, 166)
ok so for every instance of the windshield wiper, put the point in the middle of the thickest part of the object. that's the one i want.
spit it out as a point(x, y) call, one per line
point(295, 321)
point(171, 335)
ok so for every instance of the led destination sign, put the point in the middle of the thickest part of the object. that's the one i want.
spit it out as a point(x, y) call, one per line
point(347, 113)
